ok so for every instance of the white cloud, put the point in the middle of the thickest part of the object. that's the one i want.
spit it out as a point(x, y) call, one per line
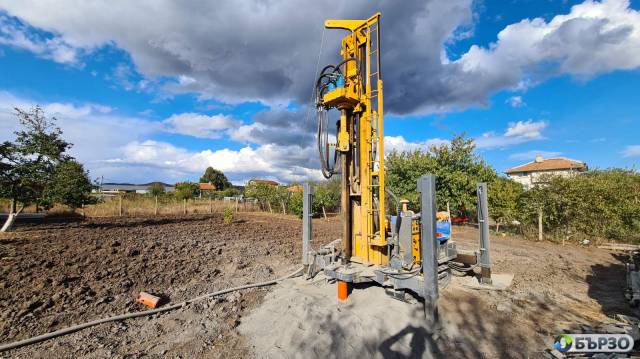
point(120, 147)
point(398, 143)
point(16, 35)
point(282, 163)
point(517, 133)
point(531, 155)
point(198, 125)
point(192, 47)
point(95, 133)
point(594, 38)
point(631, 151)
point(525, 129)
point(515, 101)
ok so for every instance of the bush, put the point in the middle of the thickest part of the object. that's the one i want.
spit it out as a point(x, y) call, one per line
point(186, 190)
point(228, 215)
point(295, 204)
point(503, 195)
point(594, 205)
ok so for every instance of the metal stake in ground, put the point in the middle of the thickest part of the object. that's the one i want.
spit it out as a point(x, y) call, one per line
point(307, 201)
point(427, 189)
point(483, 222)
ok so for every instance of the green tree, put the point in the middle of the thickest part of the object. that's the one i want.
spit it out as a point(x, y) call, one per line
point(268, 195)
point(326, 196)
point(156, 189)
point(295, 204)
point(216, 177)
point(503, 196)
point(29, 162)
point(69, 185)
point(457, 167)
point(186, 190)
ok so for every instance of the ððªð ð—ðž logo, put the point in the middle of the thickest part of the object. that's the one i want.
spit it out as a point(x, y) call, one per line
point(563, 343)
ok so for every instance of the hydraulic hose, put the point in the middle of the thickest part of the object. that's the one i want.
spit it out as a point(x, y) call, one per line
point(75, 328)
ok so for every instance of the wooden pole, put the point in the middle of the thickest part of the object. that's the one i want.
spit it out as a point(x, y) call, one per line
point(284, 210)
point(324, 213)
point(210, 204)
point(120, 205)
point(236, 204)
point(155, 209)
point(184, 206)
point(540, 234)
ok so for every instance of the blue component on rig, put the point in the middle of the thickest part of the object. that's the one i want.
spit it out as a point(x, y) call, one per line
point(340, 81)
point(443, 229)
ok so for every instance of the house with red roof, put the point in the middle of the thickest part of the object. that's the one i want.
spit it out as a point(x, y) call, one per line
point(533, 173)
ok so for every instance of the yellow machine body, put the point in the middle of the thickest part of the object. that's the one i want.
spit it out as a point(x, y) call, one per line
point(360, 142)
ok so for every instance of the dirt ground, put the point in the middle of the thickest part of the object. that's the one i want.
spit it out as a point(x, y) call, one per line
point(53, 275)
point(58, 274)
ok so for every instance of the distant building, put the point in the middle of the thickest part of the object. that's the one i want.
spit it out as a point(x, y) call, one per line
point(114, 188)
point(529, 174)
point(255, 182)
point(207, 186)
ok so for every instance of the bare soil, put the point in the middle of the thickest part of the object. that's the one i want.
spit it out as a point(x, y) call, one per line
point(54, 275)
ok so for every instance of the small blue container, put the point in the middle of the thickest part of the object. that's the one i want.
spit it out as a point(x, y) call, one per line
point(340, 81)
point(443, 229)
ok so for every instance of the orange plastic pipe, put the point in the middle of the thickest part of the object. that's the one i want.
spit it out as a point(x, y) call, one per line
point(343, 290)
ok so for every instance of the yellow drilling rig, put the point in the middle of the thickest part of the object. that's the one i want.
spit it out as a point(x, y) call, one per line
point(401, 251)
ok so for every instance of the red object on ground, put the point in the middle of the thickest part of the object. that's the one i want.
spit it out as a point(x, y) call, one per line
point(343, 290)
point(460, 220)
point(148, 300)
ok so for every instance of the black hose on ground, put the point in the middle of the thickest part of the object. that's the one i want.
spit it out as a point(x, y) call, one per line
point(57, 333)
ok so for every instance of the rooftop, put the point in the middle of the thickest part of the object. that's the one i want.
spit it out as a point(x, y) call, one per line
point(549, 164)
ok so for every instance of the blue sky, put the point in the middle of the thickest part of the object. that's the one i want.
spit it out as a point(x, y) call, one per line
point(149, 91)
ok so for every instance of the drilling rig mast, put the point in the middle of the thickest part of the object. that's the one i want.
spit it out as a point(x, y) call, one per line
point(401, 251)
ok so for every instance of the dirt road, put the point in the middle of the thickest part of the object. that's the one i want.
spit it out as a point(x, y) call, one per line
point(57, 274)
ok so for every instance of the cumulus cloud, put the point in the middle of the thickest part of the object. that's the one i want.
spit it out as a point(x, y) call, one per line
point(95, 133)
point(400, 144)
point(631, 151)
point(516, 133)
point(15, 34)
point(594, 38)
point(120, 147)
point(531, 155)
point(252, 50)
point(198, 125)
point(281, 163)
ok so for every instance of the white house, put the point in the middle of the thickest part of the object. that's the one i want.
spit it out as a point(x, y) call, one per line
point(529, 174)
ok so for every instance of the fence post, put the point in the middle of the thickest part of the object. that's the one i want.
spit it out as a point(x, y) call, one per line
point(483, 221)
point(184, 206)
point(429, 244)
point(307, 201)
point(120, 205)
point(210, 204)
point(236, 204)
point(540, 234)
point(155, 209)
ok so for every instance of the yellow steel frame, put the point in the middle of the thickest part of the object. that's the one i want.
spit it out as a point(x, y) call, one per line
point(361, 126)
